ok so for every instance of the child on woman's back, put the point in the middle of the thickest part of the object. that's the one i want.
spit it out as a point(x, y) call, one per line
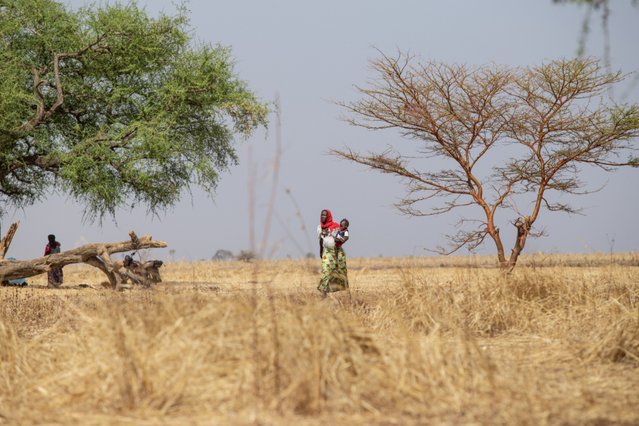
point(341, 233)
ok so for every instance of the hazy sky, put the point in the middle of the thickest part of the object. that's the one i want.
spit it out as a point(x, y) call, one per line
point(312, 54)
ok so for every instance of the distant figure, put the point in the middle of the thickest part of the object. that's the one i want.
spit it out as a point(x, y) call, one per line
point(331, 280)
point(54, 276)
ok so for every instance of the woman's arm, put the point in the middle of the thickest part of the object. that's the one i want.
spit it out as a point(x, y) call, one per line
point(342, 238)
point(319, 237)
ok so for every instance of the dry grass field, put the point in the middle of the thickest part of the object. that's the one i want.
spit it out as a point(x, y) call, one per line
point(415, 341)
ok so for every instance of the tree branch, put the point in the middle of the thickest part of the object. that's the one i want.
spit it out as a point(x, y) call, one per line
point(42, 114)
point(6, 240)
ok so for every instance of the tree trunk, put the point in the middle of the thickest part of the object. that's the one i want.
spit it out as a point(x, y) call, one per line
point(523, 225)
point(6, 241)
point(501, 257)
point(94, 254)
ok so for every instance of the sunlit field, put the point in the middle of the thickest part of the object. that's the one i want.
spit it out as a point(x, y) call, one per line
point(415, 341)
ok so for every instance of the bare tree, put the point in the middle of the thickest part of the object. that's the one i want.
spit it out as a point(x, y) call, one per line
point(500, 134)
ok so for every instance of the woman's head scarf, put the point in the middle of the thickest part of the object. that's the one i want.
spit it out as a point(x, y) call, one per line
point(329, 221)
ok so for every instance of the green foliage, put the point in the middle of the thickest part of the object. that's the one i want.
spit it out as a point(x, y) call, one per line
point(114, 107)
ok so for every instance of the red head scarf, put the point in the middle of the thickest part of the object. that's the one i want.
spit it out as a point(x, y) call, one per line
point(329, 221)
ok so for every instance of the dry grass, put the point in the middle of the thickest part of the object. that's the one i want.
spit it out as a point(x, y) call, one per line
point(417, 341)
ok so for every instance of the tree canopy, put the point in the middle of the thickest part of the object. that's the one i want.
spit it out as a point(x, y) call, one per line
point(113, 106)
point(487, 137)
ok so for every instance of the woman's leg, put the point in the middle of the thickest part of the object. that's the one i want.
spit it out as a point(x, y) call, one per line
point(55, 277)
point(341, 266)
point(328, 266)
point(338, 280)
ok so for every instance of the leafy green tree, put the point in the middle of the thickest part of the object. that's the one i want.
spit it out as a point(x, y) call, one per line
point(113, 107)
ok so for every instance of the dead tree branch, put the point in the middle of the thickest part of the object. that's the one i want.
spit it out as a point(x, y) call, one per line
point(6, 241)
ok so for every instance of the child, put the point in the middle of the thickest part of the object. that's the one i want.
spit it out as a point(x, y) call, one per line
point(341, 233)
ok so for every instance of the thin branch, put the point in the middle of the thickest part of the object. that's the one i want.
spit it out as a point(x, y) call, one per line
point(42, 114)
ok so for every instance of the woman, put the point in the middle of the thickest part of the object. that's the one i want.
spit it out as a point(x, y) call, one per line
point(54, 275)
point(331, 280)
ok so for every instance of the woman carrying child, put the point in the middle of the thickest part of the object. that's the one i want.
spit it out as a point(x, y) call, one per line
point(331, 238)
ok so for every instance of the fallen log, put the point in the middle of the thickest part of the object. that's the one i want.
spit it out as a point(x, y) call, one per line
point(95, 254)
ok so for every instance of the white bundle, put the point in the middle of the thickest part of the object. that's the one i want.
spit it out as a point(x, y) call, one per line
point(329, 242)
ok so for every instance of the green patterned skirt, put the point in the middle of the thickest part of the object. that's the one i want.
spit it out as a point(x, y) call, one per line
point(334, 272)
